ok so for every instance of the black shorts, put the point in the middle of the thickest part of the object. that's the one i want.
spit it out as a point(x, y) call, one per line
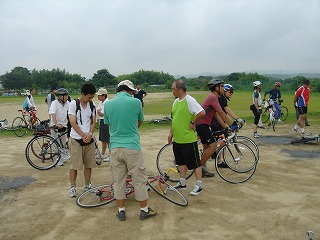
point(187, 154)
point(104, 135)
point(204, 132)
point(302, 110)
point(256, 116)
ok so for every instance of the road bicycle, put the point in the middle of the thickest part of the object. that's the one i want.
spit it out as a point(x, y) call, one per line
point(21, 125)
point(102, 195)
point(43, 152)
point(241, 154)
point(265, 115)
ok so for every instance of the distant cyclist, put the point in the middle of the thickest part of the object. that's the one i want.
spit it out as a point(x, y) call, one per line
point(275, 95)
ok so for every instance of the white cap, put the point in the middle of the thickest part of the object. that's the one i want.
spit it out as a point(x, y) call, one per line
point(129, 84)
point(102, 91)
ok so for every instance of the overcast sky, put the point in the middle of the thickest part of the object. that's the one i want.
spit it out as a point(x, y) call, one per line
point(178, 37)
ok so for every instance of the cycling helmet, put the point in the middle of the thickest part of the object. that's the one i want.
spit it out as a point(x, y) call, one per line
point(214, 82)
point(228, 87)
point(257, 83)
point(278, 84)
point(62, 92)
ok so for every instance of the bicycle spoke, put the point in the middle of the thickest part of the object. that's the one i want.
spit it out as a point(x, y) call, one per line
point(96, 196)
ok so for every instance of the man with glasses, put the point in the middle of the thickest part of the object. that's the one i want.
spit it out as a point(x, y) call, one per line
point(211, 106)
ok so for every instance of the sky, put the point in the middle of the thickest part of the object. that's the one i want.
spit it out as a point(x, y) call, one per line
point(178, 37)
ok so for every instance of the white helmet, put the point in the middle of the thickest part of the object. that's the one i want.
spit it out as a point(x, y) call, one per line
point(257, 83)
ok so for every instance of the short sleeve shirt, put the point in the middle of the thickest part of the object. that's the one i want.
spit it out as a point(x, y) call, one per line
point(85, 116)
point(211, 105)
point(183, 112)
point(61, 112)
point(303, 95)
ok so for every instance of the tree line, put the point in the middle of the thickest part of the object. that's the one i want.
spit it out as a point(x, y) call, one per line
point(21, 78)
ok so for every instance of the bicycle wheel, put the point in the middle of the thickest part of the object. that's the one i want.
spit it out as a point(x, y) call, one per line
point(43, 152)
point(167, 191)
point(166, 164)
point(265, 115)
point(241, 162)
point(19, 126)
point(96, 196)
point(249, 142)
point(284, 113)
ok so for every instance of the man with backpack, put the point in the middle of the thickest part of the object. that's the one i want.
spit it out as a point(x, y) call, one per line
point(82, 116)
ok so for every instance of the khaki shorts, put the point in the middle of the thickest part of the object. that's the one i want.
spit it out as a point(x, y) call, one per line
point(81, 155)
point(126, 161)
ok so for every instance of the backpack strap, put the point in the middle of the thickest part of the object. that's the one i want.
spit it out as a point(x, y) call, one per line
point(92, 107)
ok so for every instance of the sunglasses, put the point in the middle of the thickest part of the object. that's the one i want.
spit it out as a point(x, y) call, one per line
point(231, 92)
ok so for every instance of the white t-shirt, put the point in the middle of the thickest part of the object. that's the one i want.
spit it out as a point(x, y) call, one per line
point(61, 112)
point(86, 118)
point(101, 108)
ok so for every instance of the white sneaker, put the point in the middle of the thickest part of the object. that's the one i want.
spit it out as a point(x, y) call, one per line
point(197, 189)
point(106, 159)
point(303, 134)
point(256, 135)
point(280, 121)
point(88, 187)
point(73, 192)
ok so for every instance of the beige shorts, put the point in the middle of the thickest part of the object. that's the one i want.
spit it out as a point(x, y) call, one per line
point(126, 161)
point(81, 155)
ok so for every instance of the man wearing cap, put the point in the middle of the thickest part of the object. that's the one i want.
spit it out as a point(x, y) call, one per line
point(104, 136)
point(124, 115)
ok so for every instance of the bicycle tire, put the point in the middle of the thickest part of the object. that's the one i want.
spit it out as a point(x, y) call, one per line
point(97, 196)
point(19, 126)
point(248, 141)
point(43, 152)
point(241, 166)
point(284, 113)
point(167, 191)
point(166, 164)
point(265, 115)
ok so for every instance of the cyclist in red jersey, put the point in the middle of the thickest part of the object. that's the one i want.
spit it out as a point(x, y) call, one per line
point(300, 100)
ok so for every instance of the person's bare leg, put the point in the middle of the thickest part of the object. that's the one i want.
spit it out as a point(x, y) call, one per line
point(87, 175)
point(207, 153)
point(73, 176)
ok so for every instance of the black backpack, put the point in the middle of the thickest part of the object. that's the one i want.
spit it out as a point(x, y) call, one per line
point(92, 107)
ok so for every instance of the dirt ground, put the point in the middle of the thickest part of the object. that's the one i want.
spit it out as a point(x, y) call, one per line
point(281, 200)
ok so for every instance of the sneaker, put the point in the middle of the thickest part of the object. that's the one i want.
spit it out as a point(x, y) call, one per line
point(295, 130)
point(88, 187)
point(106, 159)
point(262, 127)
point(73, 192)
point(180, 186)
point(256, 135)
point(121, 215)
point(205, 173)
point(197, 189)
point(145, 215)
point(60, 163)
point(223, 165)
point(280, 121)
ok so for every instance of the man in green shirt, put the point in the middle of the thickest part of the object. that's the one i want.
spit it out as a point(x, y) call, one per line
point(186, 111)
point(124, 115)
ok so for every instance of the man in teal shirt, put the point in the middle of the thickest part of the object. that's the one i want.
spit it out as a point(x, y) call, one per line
point(124, 116)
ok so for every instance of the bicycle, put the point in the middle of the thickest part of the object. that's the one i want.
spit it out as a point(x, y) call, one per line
point(21, 125)
point(235, 151)
point(102, 195)
point(265, 115)
point(43, 152)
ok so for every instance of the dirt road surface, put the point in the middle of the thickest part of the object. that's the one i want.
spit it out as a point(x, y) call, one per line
point(281, 201)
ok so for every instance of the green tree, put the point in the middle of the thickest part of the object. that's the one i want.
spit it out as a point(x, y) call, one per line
point(18, 78)
point(102, 78)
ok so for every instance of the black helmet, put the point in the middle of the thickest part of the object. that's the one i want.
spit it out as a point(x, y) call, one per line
point(62, 92)
point(214, 82)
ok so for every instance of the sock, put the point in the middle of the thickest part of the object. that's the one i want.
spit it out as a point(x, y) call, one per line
point(121, 209)
point(199, 183)
point(145, 209)
point(302, 130)
point(295, 126)
point(183, 181)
